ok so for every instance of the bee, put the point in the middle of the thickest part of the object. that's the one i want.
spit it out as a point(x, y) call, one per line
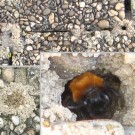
point(92, 96)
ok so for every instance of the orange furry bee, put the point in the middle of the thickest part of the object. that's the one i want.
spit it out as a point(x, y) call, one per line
point(92, 96)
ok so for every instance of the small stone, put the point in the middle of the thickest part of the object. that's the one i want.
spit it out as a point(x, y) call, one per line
point(9, 8)
point(27, 12)
point(76, 27)
point(99, 7)
point(71, 13)
point(28, 28)
point(20, 129)
point(60, 11)
point(38, 57)
point(125, 38)
point(1, 84)
point(29, 132)
point(121, 15)
point(82, 4)
point(103, 24)
point(37, 119)
point(32, 18)
point(73, 38)
point(51, 18)
point(32, 24)
point(119, 6)
point(8, 75)
point(1, 123)
point(46, 11)
point(37, 127)
point(11, 125)
point(15, 120)
point(70, 26)
point(117, 39)
point(29, 48)
point(29, 41)
point(112, 12)
point(118, 46)
point(94, 4)
point(16, 14)
point(65, 6)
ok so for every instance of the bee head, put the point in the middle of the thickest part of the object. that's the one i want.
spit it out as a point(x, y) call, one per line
point(98, 103)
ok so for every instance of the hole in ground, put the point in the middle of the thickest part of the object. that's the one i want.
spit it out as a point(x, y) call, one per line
point(123, 27)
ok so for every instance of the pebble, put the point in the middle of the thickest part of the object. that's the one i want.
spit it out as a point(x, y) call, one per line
point(29, 41)
point(29, 132)
point(51, 18)
point(65, 6)
point(99, 7)
point(1, 123)
point(27, 12)
point(112, 12)
point(1, 84)
point(125, 38)
point(9, 8)
point(82, 4)
point(29, 122)
point(16, 14)
point(15, 120)
point(121, 15)
point(36, 119)
point(32, 24)
point(103, 24)
point(46, 11)
point(29, 48)
point(119, 6)
point(28, 28)
point(71, 13)
point(8, 75)
point(38, 57)
point(32, 18)
point(3, 133)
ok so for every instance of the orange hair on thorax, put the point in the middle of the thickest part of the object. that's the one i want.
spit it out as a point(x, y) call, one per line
point(81, 83)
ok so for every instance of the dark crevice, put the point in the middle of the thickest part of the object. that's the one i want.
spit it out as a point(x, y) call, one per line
point(127, 5)
point(128, 9)
point(123, 27)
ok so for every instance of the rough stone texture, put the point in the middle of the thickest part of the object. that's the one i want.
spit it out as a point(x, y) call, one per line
point(10, 38)
point(58, 68)
point(19, 101)
point(116, 40)
point(20, 75)
point(98, 127)
point(59, 15)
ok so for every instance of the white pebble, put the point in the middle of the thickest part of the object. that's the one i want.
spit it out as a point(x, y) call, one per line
point(125, 38)
point(29, 48)
point(1, 84)
point(99, 7)
point(15, 120)
point(82, 4)
point(1, 122)
point(37, 119)
point(28, 28)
